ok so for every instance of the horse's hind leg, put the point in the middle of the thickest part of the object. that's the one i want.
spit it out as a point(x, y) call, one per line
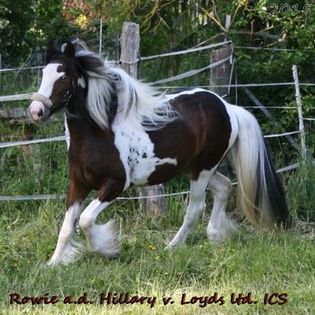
point(195, 207)
point(220, 226)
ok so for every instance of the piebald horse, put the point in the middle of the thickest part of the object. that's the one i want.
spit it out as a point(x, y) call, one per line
point(122, 133)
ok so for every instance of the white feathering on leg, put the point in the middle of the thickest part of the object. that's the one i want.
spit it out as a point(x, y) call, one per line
point(72, 252)
point(104, 239)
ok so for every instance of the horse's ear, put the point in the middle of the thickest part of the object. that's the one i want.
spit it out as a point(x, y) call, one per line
point(51, 50)
point(69, 50)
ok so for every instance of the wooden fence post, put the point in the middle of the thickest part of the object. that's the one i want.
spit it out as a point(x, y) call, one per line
point(130, 45)
point(221, 75)
point(300, 112)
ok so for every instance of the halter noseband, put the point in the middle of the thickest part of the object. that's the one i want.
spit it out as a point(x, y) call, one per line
point(47, 102)
point(43, 99)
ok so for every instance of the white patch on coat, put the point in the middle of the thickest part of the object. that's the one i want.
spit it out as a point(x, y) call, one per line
point(50, 76)
point(136, 151)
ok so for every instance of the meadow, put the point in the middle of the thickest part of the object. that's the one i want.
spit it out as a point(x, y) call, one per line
point(273, 271)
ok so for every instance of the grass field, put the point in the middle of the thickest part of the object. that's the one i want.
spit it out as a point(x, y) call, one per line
point(255, 262)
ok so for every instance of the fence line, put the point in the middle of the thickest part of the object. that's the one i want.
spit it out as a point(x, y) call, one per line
point(191, 73)
point(184, 52)
point(62, 196)
point(264, 48)
point(27, 96)
point(281, 134)
point(16, 97)
point(145, 58)
point(41, 197)
point(21, 69)
point(63, 138)
point(35, 141)
point(236, 85)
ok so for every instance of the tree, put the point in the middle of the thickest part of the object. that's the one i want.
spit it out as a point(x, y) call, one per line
point(15, 19)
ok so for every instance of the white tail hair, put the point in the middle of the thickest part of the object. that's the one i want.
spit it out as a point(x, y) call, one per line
point(259, 191)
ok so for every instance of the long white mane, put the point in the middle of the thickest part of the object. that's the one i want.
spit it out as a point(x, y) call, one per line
point(136, 100)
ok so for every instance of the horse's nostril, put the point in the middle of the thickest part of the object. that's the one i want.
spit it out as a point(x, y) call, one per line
point(40, 113)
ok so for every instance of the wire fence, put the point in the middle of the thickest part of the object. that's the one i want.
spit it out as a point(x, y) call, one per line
point(187, 74)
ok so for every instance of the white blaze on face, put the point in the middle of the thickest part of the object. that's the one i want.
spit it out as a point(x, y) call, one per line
point(50, 76)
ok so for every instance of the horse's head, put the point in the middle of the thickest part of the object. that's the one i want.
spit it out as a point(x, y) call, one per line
point(59, 82)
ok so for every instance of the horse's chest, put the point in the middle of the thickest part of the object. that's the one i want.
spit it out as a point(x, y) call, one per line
point(137, 153)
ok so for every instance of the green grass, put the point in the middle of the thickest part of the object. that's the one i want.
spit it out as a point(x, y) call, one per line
point(252, 261)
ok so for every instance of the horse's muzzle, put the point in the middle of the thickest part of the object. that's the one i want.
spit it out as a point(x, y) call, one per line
point(38, 111)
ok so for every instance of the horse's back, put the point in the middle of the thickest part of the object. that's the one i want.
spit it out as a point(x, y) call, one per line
point(200, 137)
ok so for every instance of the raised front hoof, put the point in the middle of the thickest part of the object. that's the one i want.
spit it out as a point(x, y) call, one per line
point(104, 240)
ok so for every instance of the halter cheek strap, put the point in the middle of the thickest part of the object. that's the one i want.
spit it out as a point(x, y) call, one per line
point(41, 98)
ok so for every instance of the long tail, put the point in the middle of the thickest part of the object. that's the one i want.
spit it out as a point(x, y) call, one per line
point(259, 191)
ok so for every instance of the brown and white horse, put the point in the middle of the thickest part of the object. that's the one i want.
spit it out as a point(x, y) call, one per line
point(123, 133)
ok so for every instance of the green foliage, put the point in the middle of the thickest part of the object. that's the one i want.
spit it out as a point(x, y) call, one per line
point(50, 23)
point(15, 19)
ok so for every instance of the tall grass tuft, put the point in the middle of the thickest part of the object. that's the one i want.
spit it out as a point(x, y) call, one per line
point(301, 191)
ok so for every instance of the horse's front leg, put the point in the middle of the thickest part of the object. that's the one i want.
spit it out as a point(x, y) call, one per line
point(103, 239)
point(67, 250)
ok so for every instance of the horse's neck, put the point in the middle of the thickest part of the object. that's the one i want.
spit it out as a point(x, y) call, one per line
point(76, 106)
point(82, 130)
